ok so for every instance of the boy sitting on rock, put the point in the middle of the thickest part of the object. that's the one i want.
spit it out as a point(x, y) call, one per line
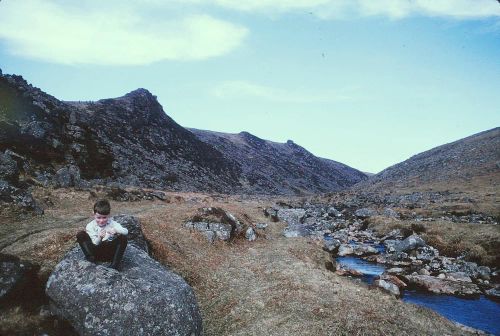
point(103, 238)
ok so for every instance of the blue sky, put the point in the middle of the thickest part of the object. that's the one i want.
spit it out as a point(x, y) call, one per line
point(367, 83)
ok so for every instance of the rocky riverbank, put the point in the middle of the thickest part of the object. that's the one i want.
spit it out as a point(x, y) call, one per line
point(415, 264)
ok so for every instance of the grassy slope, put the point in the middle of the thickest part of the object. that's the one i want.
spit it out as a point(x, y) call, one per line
point(273, 286)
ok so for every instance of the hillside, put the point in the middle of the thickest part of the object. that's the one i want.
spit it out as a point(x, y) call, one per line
point(456, 163)
point(131, 141)
point(282, 168)
point(465, 172)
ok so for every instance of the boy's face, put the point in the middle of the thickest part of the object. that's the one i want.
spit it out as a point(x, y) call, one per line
point(101, 220)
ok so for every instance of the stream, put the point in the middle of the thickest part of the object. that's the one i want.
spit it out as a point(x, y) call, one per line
point(482, 313)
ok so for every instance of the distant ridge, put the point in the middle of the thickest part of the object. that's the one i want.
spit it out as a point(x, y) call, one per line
point(130, 141)
point(283, 168)
point(471, 162)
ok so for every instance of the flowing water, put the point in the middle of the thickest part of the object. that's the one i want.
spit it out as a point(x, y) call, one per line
point(482, 313)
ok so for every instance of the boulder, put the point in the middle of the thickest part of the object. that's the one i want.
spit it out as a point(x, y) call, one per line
point(9, 170)
point(426, 253)
point(393, 279)
point(215, 223)
point(296, 231)
point(331, 245)
point(395, 271)
point(143, 299)
point(394, 234)
point(390, 213)
point(135, 236)
point(332, 212)
point(359, 250)
point(493, 293)
point(250, 234)
point(365, 213)
point(212, 231)
point(68, 176)
point(388, 286)
point(458, 276)
point(443, 286)
point(410, 243)
point(272, 213)
point(261, 226)
point(345, 249)
point(291, 216)
point(16, 278)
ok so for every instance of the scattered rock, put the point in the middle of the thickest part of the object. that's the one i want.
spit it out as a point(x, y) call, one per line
point(388, 286)
point(390, 213)
point(292, 216)
point(250, 234)
point(272, 213)
point(331, 245)
point(359, 250)
point(261, 226)
point(68, 176)
point(493, 293)
point(410, 243)
point(365, 213)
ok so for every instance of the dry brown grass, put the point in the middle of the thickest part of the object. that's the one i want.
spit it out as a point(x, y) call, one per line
point(273, 286)
point(276, 286)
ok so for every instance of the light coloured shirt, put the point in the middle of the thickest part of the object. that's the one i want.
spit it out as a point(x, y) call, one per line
point(93, 231)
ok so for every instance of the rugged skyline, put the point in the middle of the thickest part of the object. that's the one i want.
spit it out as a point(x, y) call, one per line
point(365, 83)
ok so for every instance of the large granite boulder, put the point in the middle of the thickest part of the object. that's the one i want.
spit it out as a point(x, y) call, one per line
point(143, 299)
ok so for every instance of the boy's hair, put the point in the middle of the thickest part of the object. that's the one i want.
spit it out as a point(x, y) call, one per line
point(102, 207)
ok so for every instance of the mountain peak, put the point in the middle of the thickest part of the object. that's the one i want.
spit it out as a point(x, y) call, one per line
point(141, 94)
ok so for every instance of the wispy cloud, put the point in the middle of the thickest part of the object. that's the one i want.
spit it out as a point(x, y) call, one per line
point(459, 9)
point(47, 30)
point(243, 89)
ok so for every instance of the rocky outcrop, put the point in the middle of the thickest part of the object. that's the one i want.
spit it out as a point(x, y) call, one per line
point(281, 168)
point(143, 299)
point(215, 223)
point(130, 141)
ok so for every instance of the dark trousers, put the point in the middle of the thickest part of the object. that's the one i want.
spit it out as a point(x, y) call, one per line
point(106, 250)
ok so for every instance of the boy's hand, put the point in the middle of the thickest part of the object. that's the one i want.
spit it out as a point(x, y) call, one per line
point(112, 231)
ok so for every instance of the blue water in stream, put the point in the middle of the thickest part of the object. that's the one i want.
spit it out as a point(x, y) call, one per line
point(482, 313)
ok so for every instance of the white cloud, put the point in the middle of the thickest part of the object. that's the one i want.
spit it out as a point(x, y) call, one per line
point(88, 34)
point(276, 5)
point(242, 89)
point(460, 9)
